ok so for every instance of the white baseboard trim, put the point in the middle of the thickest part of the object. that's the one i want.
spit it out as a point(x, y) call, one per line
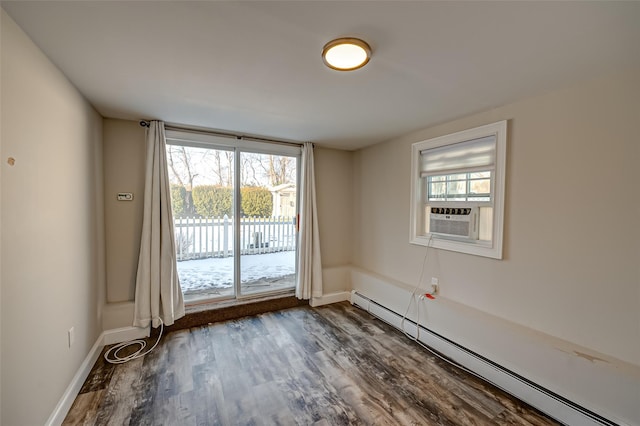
point(107, 337)
point(327, 299)
point(60, 412)
point(123, 334)
point(552, 404)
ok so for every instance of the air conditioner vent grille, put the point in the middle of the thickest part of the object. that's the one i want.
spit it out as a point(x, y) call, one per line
point(461, 222)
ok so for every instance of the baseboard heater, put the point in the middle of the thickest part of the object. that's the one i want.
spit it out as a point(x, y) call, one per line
point(545, 400)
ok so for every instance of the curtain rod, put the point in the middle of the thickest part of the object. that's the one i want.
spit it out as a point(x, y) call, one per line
point(145, 123)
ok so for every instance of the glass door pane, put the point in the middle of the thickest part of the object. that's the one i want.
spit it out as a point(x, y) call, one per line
point(202, 193)
point(267, 232)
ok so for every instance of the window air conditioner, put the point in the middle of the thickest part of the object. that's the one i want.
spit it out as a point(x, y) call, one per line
point(461, 222)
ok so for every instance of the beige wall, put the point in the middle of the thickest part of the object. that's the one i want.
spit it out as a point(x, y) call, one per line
point(333, 195)
point(572, 240)
point(124, 163)
point(52, 231)
point(335, 220)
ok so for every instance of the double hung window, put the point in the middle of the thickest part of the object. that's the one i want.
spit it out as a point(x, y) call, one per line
point(457, 197)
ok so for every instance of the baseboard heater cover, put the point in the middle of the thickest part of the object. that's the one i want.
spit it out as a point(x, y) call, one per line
point(545, 400)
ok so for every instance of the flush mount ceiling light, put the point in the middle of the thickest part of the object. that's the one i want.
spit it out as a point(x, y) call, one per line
point(346, 54)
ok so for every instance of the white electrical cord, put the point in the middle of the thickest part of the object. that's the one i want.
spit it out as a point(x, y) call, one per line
point(413, 296)
point(112, 357)
point(417, 337)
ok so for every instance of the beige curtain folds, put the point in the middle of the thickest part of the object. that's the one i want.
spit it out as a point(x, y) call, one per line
point(309, 284)
point(158, 295)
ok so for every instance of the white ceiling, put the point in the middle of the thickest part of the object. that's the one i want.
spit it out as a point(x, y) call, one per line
point(255, 67)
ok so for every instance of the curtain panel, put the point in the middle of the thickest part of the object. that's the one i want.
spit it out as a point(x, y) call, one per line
point(309, 284)
point(158, 295)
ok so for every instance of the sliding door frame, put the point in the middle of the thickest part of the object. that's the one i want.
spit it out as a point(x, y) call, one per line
point(238, 146)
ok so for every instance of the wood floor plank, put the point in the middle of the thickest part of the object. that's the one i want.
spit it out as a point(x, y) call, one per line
point(84, 409)
point(117, 404)
point(99, 376)
point(333, 365)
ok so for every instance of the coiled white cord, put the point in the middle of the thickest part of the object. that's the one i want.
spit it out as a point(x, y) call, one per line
point(112, 357)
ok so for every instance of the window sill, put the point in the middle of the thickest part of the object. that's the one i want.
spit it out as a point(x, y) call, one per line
point(473, 247)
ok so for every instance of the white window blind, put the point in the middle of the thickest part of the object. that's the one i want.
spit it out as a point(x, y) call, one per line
point(471, 155)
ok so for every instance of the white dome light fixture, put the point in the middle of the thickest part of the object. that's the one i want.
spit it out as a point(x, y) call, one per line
point(346, 54)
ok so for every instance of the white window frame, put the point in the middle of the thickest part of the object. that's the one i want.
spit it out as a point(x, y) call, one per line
point(492, 248)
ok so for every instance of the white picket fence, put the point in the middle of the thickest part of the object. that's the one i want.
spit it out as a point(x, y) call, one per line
point(199, 238)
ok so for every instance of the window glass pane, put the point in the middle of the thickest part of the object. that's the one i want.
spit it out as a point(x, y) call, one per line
point(472, 186)
point(462, 176)
point(456, 187)
point(437, 189)
point(202, 181)
point(267, 223)
point(479, 175)
point(480, 186)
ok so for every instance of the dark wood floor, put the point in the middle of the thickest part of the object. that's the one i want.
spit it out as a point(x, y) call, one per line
point(333, 365)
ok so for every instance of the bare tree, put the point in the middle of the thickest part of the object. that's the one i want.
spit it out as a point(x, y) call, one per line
point(217, 169)
point(181, 166)
point(248, 173)
point(279, 169)
point(222, 167)
point(230, 171)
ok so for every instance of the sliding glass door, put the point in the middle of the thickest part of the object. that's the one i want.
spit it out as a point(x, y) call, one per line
point(235, 211)
point(268, 194)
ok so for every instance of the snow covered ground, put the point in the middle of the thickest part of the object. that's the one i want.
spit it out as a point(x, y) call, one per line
point(205, 275)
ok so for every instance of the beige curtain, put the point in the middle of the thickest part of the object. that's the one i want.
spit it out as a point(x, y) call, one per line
point(158, 294)
point(309, 284)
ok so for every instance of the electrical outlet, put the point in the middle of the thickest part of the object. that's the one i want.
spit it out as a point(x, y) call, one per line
point(435, 285)
point(72, 336)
